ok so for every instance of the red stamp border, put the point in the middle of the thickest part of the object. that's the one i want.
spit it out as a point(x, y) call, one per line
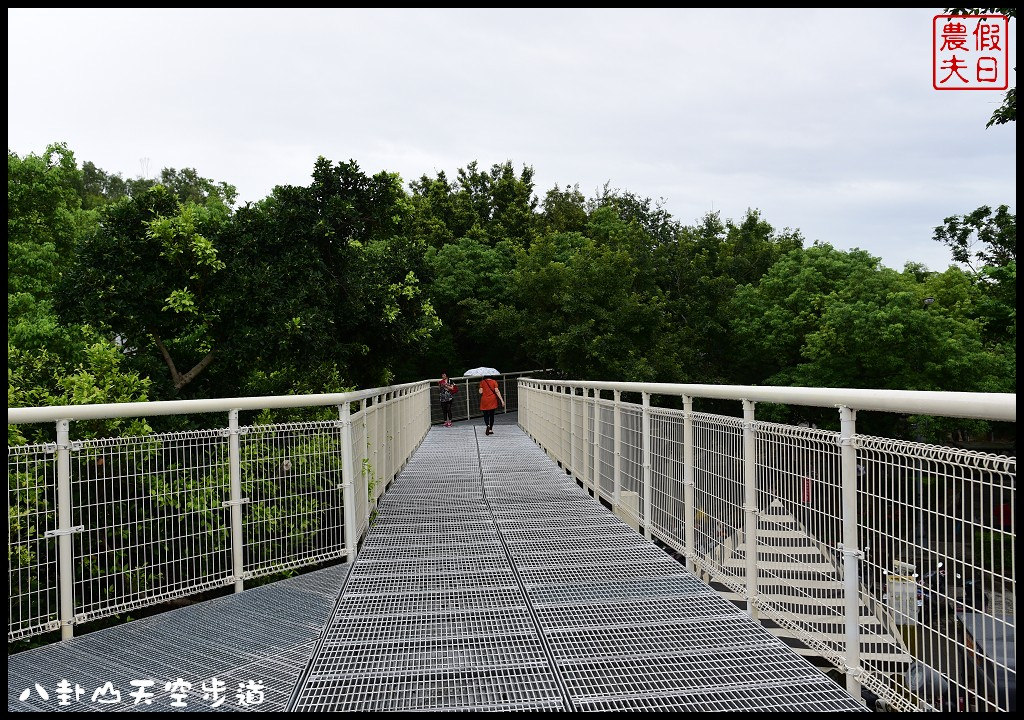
point(1006, 51)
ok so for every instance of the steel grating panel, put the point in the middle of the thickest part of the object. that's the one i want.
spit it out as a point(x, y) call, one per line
point(451, 536)
point(762, 666)
point(444, 582)
point(516, 520)
point(516, 689)
point(549, 543)
point(676, 586)
point(421, 521)
point(501, 621)
point(392, 551)
point(492, 581)
point(428, 655)
point(582, 558)
point(556, 514)
point(480, 542)
point(634, 612)
point(417, 565)
point(680, 637)
point(430, 602)
point(596, 574)
point(226, 638)
point(812, 697)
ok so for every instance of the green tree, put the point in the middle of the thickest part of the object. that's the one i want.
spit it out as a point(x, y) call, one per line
point(471, 280)
point(986, 243)
point(827, 318)
point(564, 210)
point(50, 362)
point(325, 282)
point(585, 307)
point(699, 269)
point(149, 276)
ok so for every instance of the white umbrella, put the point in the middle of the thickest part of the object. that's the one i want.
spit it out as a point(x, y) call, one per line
point(481, 371)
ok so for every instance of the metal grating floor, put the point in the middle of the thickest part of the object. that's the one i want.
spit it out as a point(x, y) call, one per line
point(491, 581)
point(265, 635)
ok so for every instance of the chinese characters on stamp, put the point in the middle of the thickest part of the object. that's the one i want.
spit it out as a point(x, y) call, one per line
point(970, 52)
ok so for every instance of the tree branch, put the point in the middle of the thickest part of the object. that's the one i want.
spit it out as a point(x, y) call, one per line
point(180, 380)
point(191, 374)
point(175, 375)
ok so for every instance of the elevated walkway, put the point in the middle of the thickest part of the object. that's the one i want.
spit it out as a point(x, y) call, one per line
point(488, 581)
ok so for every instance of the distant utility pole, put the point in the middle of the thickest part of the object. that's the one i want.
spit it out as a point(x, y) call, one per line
point(144, 162)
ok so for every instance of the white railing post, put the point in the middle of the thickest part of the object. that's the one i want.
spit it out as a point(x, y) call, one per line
point(689, 500)
point(523, 406)
point(617, 469)
point(235, 501)
point(389, 436)
point(378, 443)
point(526, 393)
point(469, 412)
point(348, 481)
point(750, 504)
point(65, 553)
point(646, 424)
point(596, 463)
point(850, 547)
point(570, 462)
point(586, 457)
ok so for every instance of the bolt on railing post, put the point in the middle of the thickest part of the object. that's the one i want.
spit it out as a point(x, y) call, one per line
point(689, 502)
point(617, 468)
point(646, 425)
point(235, 477)
point(850, 547)
point(66, 564)
point(348, 481)
point(750, 504)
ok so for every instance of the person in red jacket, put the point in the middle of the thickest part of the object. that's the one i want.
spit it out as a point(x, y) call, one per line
point(490, 396)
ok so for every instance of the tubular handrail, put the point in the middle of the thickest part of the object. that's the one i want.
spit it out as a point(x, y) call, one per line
point(102, 411)
point(982, 406)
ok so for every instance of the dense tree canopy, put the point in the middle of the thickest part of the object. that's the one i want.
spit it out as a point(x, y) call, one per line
point(161, 288)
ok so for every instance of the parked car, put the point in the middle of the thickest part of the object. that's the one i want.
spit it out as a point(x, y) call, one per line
point(992, 640)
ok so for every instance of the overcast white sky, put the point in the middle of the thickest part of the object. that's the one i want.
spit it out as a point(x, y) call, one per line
point(824, 120)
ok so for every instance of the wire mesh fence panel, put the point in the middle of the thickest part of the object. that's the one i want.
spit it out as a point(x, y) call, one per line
point(292, 478)
point(667, 500)
point(578, 443)
point(605, 435)
point(31, 555)
point(799, 500)
point(937, 526)
point(718, 494)
point(364, 480)
point(155, 526)
point(630, 464)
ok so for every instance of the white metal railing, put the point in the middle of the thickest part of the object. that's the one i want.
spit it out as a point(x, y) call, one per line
point(885, 558)
point(99, 527)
